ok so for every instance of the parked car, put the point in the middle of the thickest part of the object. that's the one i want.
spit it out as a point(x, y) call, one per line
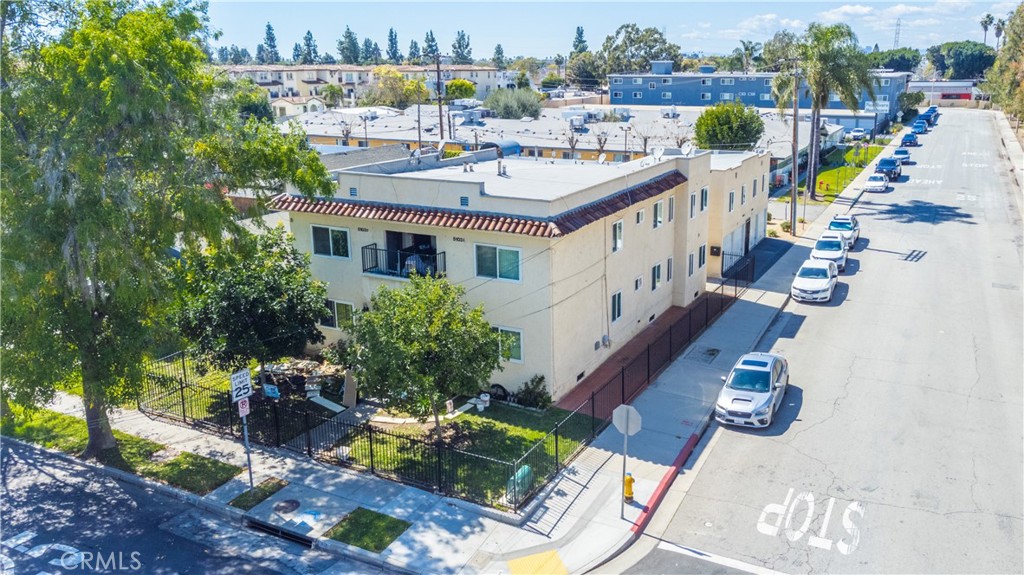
point(753, 391)
point(846, 226)
point(858, 134)
point(876, 183)
point(815, 281)
point(909, 140)
point(901, 154)
point(891, 167)
point(830, 247)
point(919, 127)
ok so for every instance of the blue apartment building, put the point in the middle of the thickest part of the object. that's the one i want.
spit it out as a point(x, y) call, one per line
point(662, 87)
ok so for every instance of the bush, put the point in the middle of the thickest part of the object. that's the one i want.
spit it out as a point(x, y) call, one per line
point(514, 104)
point(534, 393)
point(336, 353)
point(785, 225)
point(769, 216)
point(773, 234)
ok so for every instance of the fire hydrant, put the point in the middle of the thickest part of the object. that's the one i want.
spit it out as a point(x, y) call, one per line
point(627, 487)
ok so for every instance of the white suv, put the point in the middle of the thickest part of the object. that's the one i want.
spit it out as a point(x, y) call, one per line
point(753, 391)
point(832, 247)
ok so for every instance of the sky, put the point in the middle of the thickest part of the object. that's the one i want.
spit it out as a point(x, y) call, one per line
point(541, 29)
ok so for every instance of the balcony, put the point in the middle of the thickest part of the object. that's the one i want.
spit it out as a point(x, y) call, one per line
point(400, 263)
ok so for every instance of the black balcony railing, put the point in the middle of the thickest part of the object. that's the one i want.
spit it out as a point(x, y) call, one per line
point(401, 263)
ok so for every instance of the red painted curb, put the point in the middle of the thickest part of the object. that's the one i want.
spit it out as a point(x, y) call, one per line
point(664, 484)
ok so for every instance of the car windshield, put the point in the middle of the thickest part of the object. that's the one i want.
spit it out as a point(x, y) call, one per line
point(750, 380)
point(829, 245)
point(844, 226)
point(876, 179)
point(886, 162)
point(813, 273)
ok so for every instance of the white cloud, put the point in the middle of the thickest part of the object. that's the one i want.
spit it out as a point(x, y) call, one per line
point(844, 13)
point(922, 22)
point(704, 25)
point(761, 27)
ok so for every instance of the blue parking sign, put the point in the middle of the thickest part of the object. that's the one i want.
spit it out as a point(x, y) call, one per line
point(271, 391)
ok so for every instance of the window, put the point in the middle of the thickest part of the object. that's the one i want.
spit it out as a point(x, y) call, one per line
point(515, 343)
point(833, 97)
point(703, 198)
point(637, 95)
point(703, 257)
point(668, 271)
point(638, 283)
point(640, 217)
point(766, 97)
point(743, 194)
point(331, 242)
point(726, 96)
point(655, 277)
point(727, 81)
point(616, 306)
point(705, 96)
point(883, 98)
point(617, 236)
point(652, 85)
point(753, 192)
point(884, 82)
point(732, 200)
point(767, 81)
point(659, 214)
point(705, 81)
point(616, 94)
point(638, 80)
point(689, 265)
point(666, 81)
point(693, 205)
point(340, 316)
point(497, 262)
point(666, 95)
point(616, 80)
point(671, 208)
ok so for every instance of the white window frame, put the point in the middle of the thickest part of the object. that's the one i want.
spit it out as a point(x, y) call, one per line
point(497, 262)
point(638, 283)
point(884, 81)
point(689, 265)
point(726, 96)
point(640, 217)
point(658, 214)
point(616, 306)
point(766, 97)
point(618, 241)
point(666, 95)
point(616, 94)
point(671, 208)
point(652, 85)
point(666, 81)
point(753, 193)
point(727, 81)
point(693, 205)
point(333, 305)
point(655, 276)
point(669, 270)
point(705, 96)
point(702, 258)
point(348, 242)
point(512, 330)
point(637, 95)
point(638, 81)
point(704, 193)
point(705, 81)
point(616, 80)
point(732, 200)
point(767, 81)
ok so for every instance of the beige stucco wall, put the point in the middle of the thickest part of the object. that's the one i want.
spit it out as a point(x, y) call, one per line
point(722, 222)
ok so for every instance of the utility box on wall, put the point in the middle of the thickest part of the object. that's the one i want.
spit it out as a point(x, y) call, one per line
point(716, 251)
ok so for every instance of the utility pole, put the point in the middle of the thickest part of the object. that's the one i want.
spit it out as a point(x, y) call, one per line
point(419, 126)
point(440, 109)
point(796, 150)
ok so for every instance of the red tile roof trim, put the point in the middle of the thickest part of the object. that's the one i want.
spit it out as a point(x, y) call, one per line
point(560, 225)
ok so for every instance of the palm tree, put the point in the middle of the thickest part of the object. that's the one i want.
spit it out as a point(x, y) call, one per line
point(1000, 26)
point(831, 63)
point(986, 22)
point(749, 51)
point(333, 94)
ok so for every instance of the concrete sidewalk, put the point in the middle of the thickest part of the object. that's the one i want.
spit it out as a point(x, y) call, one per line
point(574, 525)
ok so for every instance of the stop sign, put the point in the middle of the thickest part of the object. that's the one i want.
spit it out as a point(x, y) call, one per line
point(626, 419)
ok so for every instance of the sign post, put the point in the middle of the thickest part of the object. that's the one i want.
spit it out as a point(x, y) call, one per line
point(627, 420)
point(241, 390)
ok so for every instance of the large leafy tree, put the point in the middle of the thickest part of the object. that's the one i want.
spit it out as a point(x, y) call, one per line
point(1005, 79)
point(458, 89)
point(254, 298)
point(394, 90)
point(310, 53)
point(831, 62)
point(900, 59)
point(348, 47)
point(749, 54)
point(420, 345)
point(961, 60)
point(728, 126)
point(272, 56)
point(631, 48)
point(584, 71)
point(117, 143)
point(394, 54)
point(778, 52)
point(461, 52)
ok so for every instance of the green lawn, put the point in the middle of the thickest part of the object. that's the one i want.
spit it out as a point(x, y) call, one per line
point(187, 471)
point(368, 530)
point(838, 170)
point(253, 497)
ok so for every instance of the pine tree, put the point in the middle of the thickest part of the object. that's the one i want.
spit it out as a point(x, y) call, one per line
point(430, 50)
point(261, 54)
point(270, 42)
point(366, 54)
point(348, 47)
point(223, 55)
point(499, 57)
point(394, 55)
point(414, 52)
point(310, 54)
point(461, 52)
point(297, 53)
point(376, 55)
point(579, 45)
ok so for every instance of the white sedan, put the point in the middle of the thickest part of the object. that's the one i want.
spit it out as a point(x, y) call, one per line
point(753, 391)
point(876, 183)
point(815, 281)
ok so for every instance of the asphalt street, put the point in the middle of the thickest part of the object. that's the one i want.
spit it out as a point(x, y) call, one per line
point(61, 517)
point(899, 446)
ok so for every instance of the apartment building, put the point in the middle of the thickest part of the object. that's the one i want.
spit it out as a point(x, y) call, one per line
point(662, 86)
point(572, 259)
point(738, 210)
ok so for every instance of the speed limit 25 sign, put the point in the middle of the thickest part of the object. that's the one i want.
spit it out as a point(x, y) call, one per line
point(241, 385)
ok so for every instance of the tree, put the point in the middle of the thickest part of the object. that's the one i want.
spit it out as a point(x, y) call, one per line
point(1005, 79)
point(584, 71)
point(310, 54)
point(961, 60)
point(522, 81)
point(238, 55)
point(107, 163)
point(632, 49)
point(831, 62)
point(908, 101)
point(394, 54)
point(572, 138)
point(986, 22)
point(270, 43)
point(900, 59)
point(414, 52)
point(499, 58)
point(461, 52)
point(348, 47)
point(749, 53)
point(421, 345)
point(366, 54)
point(514, 104)
point(430, 49)
point(644, 132)
point(333, 94)
point(297, 53)
point(600, 141)
point(261, 54)
point(529, 65)
point(779, 50)
point(552, 80)
point(394, 90)
point(459, 89)
point(728, 126)
point(327, 58)
point(559, 61)
point(251, 101)
point(255, 298)
point(1000, 26)
point(579, 44)
point(223, 55)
